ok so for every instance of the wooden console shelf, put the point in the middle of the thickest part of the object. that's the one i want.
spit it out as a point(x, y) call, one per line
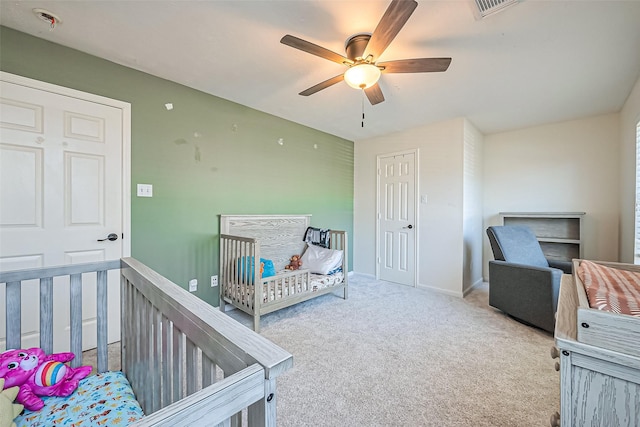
point(559, 233)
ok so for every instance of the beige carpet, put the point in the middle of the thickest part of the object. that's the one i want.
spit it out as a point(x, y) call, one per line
point(394, 355)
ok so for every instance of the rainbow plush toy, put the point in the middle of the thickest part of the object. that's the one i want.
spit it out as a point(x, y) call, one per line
point(38, 374)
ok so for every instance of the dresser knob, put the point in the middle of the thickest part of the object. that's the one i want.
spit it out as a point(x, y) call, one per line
point(555, 353)
point(555, 420)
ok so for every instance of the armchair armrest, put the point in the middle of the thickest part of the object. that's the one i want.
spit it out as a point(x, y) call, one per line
point(525, 292)
point(565, 266)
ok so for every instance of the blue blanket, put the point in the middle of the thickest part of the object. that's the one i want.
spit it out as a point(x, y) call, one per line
point(101, 400)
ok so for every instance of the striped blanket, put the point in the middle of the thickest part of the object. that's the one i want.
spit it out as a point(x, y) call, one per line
point(611, 289)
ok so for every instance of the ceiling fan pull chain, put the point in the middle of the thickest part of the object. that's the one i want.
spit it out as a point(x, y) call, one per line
point(362, 123)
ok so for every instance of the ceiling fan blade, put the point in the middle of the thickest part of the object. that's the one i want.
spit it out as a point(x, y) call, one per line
point(417, 65)
point(374, 94)
point(325, 84)
point(314, 49)
point(389, 26)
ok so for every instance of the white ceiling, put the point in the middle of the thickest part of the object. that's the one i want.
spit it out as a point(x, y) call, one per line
point(535, 62)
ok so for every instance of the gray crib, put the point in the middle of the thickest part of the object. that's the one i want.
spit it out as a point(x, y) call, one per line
point(276, 237)
point(208, 369)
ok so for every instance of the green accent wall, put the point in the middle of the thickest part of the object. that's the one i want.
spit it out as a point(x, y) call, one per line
point(206, 157)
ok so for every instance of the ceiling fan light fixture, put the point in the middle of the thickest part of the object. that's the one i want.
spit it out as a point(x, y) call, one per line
point(362, 76)
point(364, 49)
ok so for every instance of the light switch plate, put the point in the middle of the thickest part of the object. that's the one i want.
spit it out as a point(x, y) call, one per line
point(145, 190)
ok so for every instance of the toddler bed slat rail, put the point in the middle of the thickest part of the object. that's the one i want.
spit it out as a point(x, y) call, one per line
point(187, 363)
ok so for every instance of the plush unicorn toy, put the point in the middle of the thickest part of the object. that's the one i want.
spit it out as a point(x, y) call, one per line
point(38, 374)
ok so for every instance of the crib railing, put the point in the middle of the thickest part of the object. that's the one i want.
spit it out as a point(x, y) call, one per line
point(188, 363)
point(14, 282)
point(237, 275)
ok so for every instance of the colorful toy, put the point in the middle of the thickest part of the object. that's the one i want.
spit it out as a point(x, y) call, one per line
point(294, 263)
point(38, 374)
point(8, 410)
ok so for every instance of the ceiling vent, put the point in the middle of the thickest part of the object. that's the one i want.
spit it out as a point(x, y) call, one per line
point(484, 8)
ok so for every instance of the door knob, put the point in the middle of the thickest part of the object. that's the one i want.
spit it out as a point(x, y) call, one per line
point(111, 237)
point(409, 226)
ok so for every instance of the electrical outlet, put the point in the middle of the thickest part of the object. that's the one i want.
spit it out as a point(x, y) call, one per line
point(193, 285)
point(214, 281)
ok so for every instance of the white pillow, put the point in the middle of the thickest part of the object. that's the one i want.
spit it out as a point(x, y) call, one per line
point(321, 260)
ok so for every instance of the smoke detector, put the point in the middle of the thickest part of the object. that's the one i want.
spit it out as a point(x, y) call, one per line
point(49, 17)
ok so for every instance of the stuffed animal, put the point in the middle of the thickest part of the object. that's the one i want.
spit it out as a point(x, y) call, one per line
point(8, 410)
point(294, 263)
point(38, 374)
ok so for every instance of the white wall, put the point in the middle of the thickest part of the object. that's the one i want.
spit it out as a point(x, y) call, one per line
point(581, 165)
point(440, 221)
point(568, 166)
point(629, 118)
point(472, 215)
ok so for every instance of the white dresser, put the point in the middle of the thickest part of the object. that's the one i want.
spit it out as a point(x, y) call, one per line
point(599, 363)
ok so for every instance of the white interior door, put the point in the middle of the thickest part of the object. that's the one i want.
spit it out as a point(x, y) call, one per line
point(396, 236)
point(61, 192)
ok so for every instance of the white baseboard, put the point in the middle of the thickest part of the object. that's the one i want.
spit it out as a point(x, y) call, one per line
point(431, 288)
point(441, 291)
point(367, 275)
point(477, 283)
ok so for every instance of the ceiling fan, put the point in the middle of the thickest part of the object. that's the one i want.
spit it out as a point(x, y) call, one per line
point(363, 51)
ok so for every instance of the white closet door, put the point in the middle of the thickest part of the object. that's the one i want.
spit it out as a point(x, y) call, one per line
point(60, 193)
point(397, 218)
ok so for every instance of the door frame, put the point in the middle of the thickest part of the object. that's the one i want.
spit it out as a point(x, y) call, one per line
point(125, 108)
point(416, 168)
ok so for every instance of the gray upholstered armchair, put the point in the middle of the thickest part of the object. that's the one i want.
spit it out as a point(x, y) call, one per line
point(522, 282)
